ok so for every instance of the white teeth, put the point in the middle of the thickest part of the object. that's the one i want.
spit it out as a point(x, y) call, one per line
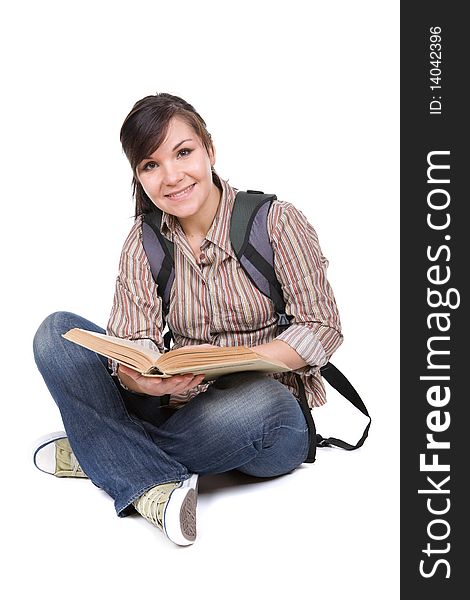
point(182, 193)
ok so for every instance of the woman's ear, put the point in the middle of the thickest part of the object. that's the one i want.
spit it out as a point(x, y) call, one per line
point(212, 155)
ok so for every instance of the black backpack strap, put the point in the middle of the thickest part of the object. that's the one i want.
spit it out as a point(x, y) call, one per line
point(251, 244)
point(312, 432)
point(341, 384)
point(160, 254)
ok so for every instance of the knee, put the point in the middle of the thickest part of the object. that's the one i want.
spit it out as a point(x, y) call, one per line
point(251, 398)
point(263, 396)
point(48, 336)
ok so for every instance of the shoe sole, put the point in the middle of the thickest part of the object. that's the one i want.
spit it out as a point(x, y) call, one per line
point(180, 513)
point(188, 516)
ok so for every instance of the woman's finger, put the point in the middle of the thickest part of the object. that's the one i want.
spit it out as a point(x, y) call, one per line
point(130, 372)
point(157, 386)
point(187, 383)
point(170, 385)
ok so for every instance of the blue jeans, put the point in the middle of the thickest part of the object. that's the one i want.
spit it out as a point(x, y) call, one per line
point(127, 443)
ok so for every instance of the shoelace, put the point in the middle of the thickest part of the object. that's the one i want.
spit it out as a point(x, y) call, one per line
point(66, 459)
point(150, 505)
point(74, 464)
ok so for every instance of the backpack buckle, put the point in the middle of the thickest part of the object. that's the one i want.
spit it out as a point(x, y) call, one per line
point(322, 442)
point(282, 320)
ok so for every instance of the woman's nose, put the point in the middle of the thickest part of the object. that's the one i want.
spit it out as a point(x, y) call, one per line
point(172, 174)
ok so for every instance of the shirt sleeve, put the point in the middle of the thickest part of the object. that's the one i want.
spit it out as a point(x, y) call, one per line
point(315, 330)
point(136, 313)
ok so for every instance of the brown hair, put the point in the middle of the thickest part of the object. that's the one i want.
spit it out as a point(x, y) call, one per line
point(145, 128)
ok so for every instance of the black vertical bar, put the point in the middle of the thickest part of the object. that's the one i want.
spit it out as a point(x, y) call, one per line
point(435, 253)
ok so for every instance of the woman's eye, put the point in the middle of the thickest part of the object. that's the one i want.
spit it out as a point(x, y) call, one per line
point(150, 166)
point(184, 152)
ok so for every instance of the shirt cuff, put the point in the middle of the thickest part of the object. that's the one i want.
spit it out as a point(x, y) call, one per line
point(306, 344)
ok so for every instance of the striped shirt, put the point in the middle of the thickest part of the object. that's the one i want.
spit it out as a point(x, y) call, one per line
point(213, 301)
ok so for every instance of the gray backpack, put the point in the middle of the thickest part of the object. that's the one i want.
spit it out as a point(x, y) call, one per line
point(250, 241)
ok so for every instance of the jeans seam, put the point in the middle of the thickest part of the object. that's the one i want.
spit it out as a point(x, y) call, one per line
point(132, 418)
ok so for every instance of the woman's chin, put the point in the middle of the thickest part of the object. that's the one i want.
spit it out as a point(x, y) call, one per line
point(182, 212)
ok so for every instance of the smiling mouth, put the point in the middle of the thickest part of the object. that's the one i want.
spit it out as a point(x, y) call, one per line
point(182, 193)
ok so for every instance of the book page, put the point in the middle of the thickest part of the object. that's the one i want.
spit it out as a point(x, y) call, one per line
point(154, 355)
point(184, 358)
point(126, 352)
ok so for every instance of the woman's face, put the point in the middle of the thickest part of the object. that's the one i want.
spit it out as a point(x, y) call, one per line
point(177, 177)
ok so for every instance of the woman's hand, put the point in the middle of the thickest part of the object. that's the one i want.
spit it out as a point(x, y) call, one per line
point(158, 386)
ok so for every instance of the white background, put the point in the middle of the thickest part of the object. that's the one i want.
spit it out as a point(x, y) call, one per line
point(301, 99)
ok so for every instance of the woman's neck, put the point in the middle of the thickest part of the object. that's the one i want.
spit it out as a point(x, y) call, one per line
point(197, 226)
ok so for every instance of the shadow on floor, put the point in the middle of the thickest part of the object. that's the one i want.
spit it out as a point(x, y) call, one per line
point(230, 479)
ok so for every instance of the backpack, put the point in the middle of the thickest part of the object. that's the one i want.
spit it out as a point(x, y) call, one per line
point(250, 241)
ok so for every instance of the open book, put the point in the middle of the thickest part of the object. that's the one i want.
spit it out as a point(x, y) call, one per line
point(213, 362)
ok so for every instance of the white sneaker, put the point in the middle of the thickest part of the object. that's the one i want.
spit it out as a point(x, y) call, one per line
point(53, 454)
point(172, 508)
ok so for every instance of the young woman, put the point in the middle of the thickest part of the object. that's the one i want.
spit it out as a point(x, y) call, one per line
point(145, 440)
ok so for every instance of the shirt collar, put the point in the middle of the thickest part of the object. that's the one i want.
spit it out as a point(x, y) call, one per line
point(219, 232)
